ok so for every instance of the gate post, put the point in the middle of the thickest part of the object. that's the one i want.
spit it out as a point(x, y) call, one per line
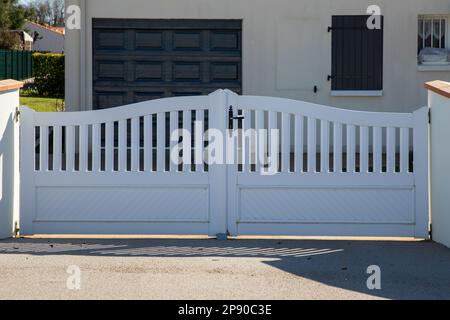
point(9, 156)
point(439, 104)
point(217, 110)
point(421, 170)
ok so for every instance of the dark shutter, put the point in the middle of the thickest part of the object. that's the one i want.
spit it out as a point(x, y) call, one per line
point(357, 54)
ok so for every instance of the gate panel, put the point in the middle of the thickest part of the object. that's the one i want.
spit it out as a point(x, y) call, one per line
point(110, 171)
point(336, 173)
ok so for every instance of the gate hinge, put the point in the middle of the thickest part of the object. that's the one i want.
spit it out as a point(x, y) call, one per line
point(429, 116)
point(16, 229)
point(17, 115)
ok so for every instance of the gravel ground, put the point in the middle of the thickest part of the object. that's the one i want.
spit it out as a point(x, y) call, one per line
point(210, 269)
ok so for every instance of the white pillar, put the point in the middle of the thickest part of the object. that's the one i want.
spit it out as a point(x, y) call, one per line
point(439, 103)
point(9, 157)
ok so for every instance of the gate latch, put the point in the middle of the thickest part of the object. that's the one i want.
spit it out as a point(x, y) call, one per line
point(232, 117)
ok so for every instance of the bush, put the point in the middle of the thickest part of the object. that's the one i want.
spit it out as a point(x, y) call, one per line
point(48, 72)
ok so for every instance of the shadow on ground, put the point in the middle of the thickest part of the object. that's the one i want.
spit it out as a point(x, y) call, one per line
point(409, 270)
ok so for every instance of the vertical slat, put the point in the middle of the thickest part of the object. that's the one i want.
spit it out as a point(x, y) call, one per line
point(148, 144)
point(135, 144)
point(187, 148)
point(351, 149)
point(246, 141)
point(96, 138)
point(83, 147)
point(364, 150)
point(286, 142)
point(122, 145)
point(404, 150)
point(57, 140)
point(174, 132)
point(299, 143)
point(260, 148)
point(312, 145)
point(109, 146)
point(273, 145)
point(43, 142)
point(161, 141)
point(199, 140)
point(70, 148)
point(377, 150)
point(391, 149)
point(325, 146)
point(337, 147)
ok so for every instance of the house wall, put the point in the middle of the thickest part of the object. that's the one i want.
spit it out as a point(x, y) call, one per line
point(51, 41)
point(9, 157)
point(286, 46)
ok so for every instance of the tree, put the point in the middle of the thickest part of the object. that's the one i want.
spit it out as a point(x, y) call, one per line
point(58, 12)
point(46, 12)
point(12, 17)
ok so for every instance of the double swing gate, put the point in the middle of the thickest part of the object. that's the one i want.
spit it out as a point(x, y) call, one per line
point(225, 164)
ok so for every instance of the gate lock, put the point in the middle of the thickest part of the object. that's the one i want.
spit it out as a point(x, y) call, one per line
point(232, 117)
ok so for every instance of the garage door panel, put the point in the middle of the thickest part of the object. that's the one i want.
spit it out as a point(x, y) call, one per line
point(187, 40)
point(172, 57)
point(105, 100)
point(149, 71)
point(145, 96)
point(225, 71)
point(111, 39)
point(148, 40)
point(183, 71)
point(111, 70)
point(225, 40)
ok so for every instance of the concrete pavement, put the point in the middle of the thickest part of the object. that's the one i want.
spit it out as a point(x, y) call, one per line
point(210, 269)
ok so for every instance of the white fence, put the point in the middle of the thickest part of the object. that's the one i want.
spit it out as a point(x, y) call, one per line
point(340, 172)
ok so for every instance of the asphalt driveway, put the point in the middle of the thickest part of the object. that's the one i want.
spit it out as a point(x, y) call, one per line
point(210, 269)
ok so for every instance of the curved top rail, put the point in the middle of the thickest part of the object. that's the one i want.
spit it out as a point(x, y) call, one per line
point(124, 112)
point(321, 112)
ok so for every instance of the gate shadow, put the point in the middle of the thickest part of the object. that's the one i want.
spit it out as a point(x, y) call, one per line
point(409, 270)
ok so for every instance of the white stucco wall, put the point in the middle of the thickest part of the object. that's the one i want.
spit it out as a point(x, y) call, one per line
point(9, 162)
point(51, 41)
point(440, 170)
point(286, 46)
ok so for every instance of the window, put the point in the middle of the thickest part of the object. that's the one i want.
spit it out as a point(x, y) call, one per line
point(432, 32)
point(433, 43)
point(357, 57)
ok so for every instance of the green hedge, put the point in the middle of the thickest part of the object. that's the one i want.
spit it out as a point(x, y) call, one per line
point(48, 71)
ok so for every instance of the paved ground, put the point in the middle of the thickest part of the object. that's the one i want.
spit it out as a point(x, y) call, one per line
point(210, 269)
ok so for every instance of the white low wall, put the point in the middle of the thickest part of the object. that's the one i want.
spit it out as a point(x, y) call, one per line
point(439, 102)
point(9, 157)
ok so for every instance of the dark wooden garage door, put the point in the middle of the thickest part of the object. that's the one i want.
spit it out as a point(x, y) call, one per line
point(136, 60)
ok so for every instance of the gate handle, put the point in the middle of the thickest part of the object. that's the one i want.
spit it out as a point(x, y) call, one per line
point(232, 117)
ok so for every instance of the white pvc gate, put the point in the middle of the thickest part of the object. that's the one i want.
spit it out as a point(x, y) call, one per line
point(340, 172)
